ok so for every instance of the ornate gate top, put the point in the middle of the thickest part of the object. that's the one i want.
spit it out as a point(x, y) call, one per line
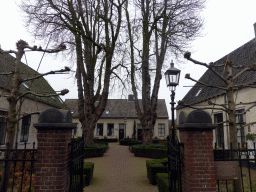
point(197, 119)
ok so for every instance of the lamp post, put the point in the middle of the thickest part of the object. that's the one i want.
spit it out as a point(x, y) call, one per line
point(172, 76)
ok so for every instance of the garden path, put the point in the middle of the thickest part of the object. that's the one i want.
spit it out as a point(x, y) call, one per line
point(119, 171)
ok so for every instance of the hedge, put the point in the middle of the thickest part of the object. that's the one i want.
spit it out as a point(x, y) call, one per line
point(155, 151)
point(125, 141)
point(162, 182)
point(129, 142)
point(95, 140)
point(156, 166)
point(88, 172)
point(94, 150)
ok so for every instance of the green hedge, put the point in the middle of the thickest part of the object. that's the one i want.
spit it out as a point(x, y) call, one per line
point(156, 166)
point(88, 172)
point(125, 141)
point(94, 150)
point(155, 151)
point(129, 142)
point(162, 182)
point(95, 140)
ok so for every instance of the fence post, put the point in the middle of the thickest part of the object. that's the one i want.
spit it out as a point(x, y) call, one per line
point(198, 172)
point(54, 130)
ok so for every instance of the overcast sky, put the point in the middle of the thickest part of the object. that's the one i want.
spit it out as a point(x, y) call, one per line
point(228, 25)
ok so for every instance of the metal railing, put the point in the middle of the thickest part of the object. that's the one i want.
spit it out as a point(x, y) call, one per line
point(246, 158)
point(21, 163)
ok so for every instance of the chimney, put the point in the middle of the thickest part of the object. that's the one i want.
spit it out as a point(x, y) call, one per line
point(130, 98)
point(254, 29)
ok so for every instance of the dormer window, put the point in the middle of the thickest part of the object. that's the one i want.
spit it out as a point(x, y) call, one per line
point(25, 86)
point(198, 92)
point(107, 112)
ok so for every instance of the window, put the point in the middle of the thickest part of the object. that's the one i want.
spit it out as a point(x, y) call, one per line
point(99, 129)
point(240, 120)
point(121, 126)
point(25, 128)
point(110, 129)
point(75, 130)
point(161, 130)
point(219, 133)
point(25, 86)
point(2, 128)
point(198, 92)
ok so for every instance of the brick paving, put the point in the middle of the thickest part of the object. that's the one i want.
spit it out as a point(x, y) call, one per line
point(119, 171)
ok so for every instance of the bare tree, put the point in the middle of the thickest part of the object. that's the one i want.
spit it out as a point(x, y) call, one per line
point(158, 29)
point(16, 95)
point(227, 75)
point(227, 79)
point(91, 28)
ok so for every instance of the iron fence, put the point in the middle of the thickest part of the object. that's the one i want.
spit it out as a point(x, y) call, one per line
point(174, 165)
point(246, 169)
point(21, 163)
point(76, 162)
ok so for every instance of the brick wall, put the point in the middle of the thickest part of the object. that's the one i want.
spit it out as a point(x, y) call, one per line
point(198, 173)
point(52, 160)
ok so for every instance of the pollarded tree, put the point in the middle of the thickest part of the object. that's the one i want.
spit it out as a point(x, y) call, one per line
point(157, 29)
point(91, 28)
point(227, 78)
point(227, 75)
point(15, 95)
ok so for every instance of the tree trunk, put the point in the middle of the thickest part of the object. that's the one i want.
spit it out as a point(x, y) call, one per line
point(146, 136)
point(12, 119)
point(232, 118)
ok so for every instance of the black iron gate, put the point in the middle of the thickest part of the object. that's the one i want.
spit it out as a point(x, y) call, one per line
point(174, 166)
point(76, 162)
point(22, 167)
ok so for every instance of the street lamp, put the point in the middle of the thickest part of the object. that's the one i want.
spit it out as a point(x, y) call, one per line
point(172, 76)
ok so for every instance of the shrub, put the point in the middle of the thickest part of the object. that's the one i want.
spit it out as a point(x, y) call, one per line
point(88, 172)
point(124, 141)
point(162, 182)
point(94, 150)
point(156, 166)
point(156, 151)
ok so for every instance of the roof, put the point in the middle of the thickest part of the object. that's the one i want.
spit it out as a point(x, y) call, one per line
point(119, 109)
point(244, 55)
point(39, 86)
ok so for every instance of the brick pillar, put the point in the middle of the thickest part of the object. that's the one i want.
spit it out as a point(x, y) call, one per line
point(198, 171)
point(54, 130)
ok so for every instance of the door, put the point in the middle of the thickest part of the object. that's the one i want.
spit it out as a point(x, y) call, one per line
point(121, 134)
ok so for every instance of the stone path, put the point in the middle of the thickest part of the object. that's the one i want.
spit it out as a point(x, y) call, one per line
point(119, 171)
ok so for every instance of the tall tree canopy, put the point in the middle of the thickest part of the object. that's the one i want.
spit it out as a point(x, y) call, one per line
point(91, 28)
point(156, 30)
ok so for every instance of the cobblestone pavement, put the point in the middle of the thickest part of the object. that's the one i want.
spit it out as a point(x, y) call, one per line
point(119, 171)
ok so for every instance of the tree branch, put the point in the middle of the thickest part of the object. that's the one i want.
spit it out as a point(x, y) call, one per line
point(187, 56)
point(48, 73)
point(63, 92)
point(187, 76)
